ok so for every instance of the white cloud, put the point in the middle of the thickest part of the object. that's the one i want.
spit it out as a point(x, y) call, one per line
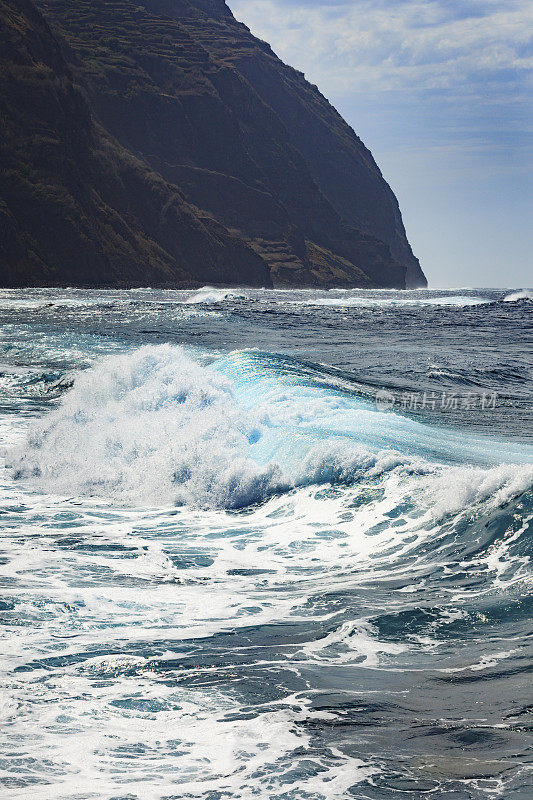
point(438, 89)
point(379, 45)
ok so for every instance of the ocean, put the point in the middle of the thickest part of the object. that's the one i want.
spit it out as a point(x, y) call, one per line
point(266, 544)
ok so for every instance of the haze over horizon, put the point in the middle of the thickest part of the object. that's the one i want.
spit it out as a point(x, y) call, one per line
point(438, 91)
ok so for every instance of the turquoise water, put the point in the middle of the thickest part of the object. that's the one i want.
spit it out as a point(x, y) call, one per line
point(228, 573)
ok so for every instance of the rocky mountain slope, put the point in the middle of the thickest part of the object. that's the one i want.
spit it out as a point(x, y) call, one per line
point(75, 207)
point(162, 144)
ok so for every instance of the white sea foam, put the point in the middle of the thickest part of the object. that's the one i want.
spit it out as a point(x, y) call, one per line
point(369, 301)
point(455, 489)
point(167, 741)
point(525, 294)
point(105, 719)
point(350, 642)
point(153, 427)
point(194, 651)
point(121, 707)
point(210, 295)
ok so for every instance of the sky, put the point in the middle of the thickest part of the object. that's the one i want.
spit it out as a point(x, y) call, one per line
point(440, 91)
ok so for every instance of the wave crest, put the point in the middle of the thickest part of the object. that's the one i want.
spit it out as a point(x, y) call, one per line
point(210, 296)
point(153, 427)
point(515, 297)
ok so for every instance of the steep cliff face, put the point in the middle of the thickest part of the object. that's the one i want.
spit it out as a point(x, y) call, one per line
point(342, 167)
point(182, 109)
point(75, 207)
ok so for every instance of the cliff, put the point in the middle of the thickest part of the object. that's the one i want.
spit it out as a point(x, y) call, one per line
point(162, 144)
point(75, 207)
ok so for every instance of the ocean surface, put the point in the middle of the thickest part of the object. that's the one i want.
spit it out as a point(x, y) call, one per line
point(266, 544)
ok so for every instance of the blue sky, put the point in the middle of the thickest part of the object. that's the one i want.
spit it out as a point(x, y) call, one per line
point(440, 90)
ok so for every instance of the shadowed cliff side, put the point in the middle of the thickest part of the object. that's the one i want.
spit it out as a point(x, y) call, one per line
point(75, 207)
point(342, 167)
point(161, 143)
point(190, 90)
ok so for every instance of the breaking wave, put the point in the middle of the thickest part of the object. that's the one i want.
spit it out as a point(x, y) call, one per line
point(410, 299)
point(514, 297)
point(154, 427)
point(210, 295)
point(360, 630)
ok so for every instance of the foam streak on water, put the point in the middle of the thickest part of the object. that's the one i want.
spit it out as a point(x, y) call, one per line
point(225, 574)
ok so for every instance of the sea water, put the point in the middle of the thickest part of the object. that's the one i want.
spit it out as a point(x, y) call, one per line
point(266, 544)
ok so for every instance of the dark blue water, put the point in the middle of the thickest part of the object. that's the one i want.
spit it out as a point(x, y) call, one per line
point(266, 544)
